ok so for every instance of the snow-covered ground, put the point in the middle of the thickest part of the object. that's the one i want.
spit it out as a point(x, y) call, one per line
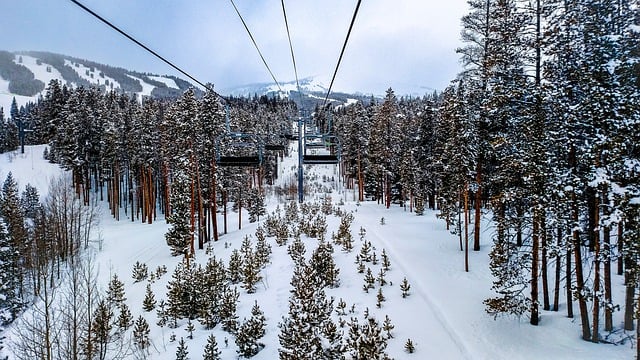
point(444, 315)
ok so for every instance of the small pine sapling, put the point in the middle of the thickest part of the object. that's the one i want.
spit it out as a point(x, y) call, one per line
point(386, 263)
point(172, 337)
point(381, 280)
point(341, 307)
point(365, 251)
point(409, 347)
point(369, 281)
point(361, 267)
point(182, 351)
point(382, 221)
point(388, 326)
point(149, 302)
point(362, 233)
point(374, 258)
point(161, 313)
point(125, 319)
point(404, 286)
point(190, 329)
point(140, 271)
point(211, 351)
point(141, 333)
point(115, 292)
point(380, 297)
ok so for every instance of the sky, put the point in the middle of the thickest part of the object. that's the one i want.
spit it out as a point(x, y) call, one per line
point(408, 45)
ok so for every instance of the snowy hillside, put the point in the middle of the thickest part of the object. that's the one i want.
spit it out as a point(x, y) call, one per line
point(443, 314)
point(313, 91)
point(74, 72)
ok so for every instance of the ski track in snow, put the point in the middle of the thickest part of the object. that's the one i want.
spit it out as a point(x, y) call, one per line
point(435, 310)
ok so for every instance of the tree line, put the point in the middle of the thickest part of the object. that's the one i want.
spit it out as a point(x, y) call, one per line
point(539, 130)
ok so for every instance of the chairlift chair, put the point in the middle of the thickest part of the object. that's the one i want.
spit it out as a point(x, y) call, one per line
point(244, 150)
point(330, 143)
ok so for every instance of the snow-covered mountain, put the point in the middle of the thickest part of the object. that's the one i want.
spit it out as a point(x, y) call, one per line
point(313, 91)
point(25, 76)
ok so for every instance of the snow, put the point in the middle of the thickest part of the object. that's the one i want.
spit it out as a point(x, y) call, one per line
point(93, 77)
point(443, 315)
point(146, 87)
point(169, 82)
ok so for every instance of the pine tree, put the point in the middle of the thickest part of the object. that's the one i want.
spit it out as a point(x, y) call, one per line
point(234, 269)
point(388, 326)
point(366, 341)
point(115, 292)
point(227, 311)
point(404, 286)
point(141, 333)
point(211, 351)
point(250, 272)
point(250, 332)
point(101, 328)
point(179, 235)
point(125, 319)
point(190, 329)
point(149, 302)
point(182, 351)
point(409, 347)
point(303, 330)
point(10, 303)
point(140, 271)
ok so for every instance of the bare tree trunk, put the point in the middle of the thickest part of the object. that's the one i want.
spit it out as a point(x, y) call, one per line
point(478, 204)
point(535, 252)
point(466, 227)
point(544, 262)
point(582, 302)
point(595, 334)
point(556, 287)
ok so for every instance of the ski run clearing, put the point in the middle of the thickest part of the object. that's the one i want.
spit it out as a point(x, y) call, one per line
point(443, 316)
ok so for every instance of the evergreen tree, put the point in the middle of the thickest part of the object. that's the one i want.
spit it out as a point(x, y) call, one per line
point(125, 319)
point(115, 292)
point(182, 351)
point(250, 332)
point(101, 328)
point(211, 351)
point(141, 333)
point(10, 303)
point(149, 302)
point(179, 235)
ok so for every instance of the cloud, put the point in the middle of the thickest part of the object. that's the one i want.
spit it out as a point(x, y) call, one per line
point(397, 43)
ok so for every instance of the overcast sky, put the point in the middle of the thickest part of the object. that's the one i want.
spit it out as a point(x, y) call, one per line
point(408, 45)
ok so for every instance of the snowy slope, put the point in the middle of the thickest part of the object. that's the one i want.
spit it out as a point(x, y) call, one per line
point(46, 72)
point(444, 314)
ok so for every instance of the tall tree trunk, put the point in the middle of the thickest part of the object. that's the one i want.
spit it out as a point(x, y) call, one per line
point(620, 249)
point(556, 287)
point(535, 251)
point(544, 261)
point(629, 298)
point(606, 242)
point(478, 204)
point(582, 302)
point(466, 227)
point(595, 334)
point(214, 203)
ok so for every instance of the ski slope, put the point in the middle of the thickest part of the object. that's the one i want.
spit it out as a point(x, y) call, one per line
point(444, 315)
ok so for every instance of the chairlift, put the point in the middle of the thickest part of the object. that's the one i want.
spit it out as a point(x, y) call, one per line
point(327, 153)
point(241, 149)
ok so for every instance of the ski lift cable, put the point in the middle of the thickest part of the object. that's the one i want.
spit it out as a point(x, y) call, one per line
point(255, 45)
point(293, 58)
point(344, 46)
point(123, 33)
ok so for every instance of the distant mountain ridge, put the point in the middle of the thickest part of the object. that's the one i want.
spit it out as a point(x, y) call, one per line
point(24, 75)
